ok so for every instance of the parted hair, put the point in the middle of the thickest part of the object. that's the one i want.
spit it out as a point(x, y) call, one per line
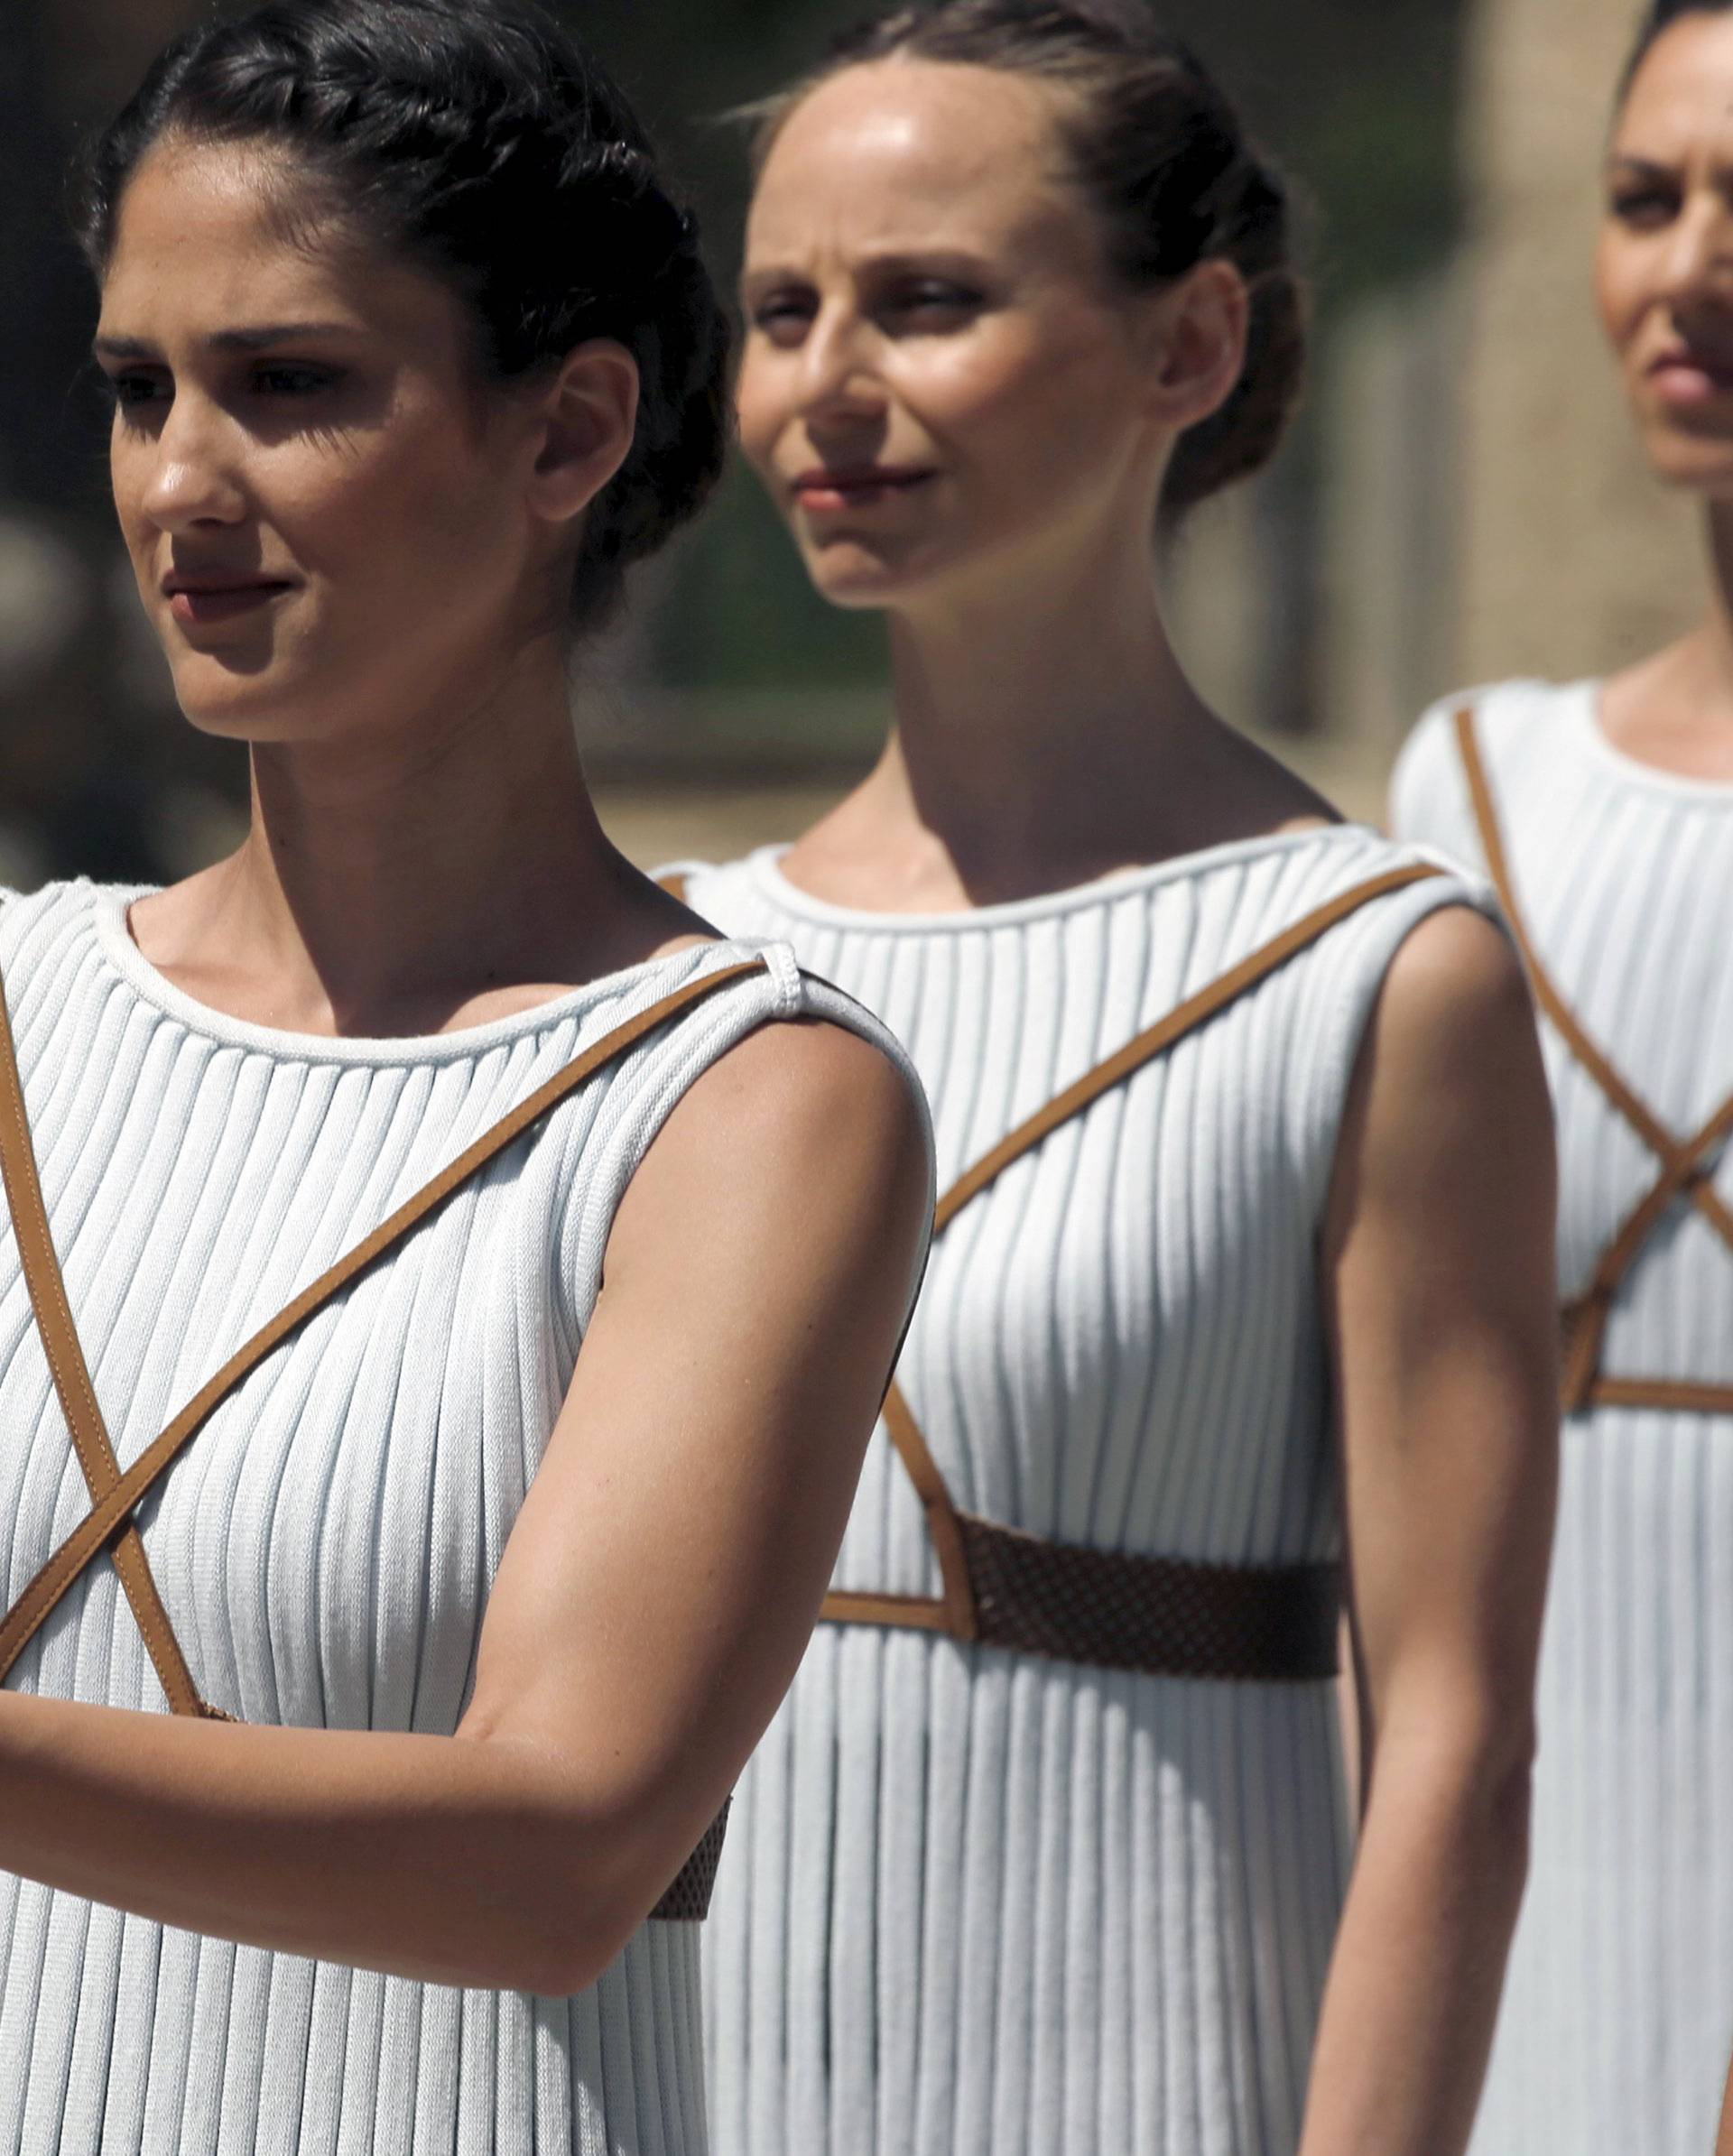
point(1164, 161)
point(1661, 15)
point(480, 141)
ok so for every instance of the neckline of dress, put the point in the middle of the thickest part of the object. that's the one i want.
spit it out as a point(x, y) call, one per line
point(764, 867)
point(109, 905)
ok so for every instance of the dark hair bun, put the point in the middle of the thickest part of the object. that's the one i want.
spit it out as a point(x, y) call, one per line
point(478, 138)
point(1244, 434)
point(1164, 161)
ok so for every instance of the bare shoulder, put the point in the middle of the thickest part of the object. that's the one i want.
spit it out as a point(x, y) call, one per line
point(803, 1117)
point(805, 1082)
point(1450, 1080)
point(1455, 992)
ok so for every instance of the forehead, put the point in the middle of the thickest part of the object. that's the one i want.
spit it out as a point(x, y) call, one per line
point(1683, 94)
point(881, 152)
point(213, 235)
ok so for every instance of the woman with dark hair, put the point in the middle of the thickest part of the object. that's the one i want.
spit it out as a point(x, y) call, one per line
point(475, 1296)
point(1245, 1259)
point(1604, 809)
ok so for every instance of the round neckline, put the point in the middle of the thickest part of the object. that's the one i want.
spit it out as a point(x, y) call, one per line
point(764, 865)
point(109, 907)
point(1637, 770)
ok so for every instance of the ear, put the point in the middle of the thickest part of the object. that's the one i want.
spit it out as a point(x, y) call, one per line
point(586, 419)
point(1196, 331)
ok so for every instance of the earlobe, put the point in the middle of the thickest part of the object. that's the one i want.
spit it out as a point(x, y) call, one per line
point(589, 415)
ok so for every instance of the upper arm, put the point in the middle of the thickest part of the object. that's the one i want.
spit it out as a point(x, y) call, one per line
point(666, 1567)
point(1440, 1282)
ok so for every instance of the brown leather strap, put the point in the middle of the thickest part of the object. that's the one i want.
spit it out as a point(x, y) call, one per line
point(1676, 1396)
point(1684, 1163)
point(1635, 1110)
point(1186, 1018)
point(112, 1510)
point(955, 1535)
point(66, 1363)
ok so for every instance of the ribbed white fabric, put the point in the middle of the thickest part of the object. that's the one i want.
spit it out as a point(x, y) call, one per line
point(325, 1547)
point(1618, 2012)
point(981, 1904)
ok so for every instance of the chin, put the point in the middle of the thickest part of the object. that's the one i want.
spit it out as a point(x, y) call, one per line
point(239, 707)
point(848, 576)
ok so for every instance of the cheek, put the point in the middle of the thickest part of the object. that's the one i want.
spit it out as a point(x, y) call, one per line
point(1620, 293)
point(762, 409)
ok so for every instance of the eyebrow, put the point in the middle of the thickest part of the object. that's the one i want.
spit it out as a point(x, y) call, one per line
point(256, 338)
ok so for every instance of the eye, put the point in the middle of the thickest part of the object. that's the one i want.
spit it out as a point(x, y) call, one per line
point(134, 390)
point(284, 379)
point(783, 316)
point(1645, 205)
point(932, 303)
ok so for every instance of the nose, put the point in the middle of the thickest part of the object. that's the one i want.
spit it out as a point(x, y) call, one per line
point(191, 478)
point(838, 383)
point(1698, 267)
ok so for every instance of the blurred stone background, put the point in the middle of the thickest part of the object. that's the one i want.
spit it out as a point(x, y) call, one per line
point(1462, 500)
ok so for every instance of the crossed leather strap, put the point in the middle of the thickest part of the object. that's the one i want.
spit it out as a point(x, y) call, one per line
point(115, 1495)
point(1169, 1616)
point(1687, 1165)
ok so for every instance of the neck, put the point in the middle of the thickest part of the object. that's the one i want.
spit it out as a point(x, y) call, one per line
point(1019, 724)
point(1046, 735)
point(385, 883)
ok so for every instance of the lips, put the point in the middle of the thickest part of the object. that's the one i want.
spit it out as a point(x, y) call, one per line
point(196, 599)
point(1687, 374)
point(852, 487)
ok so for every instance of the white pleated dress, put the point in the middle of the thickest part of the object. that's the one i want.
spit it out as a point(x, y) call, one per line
point(326, 1546)
point(978, 1903)
point(1618, 2020)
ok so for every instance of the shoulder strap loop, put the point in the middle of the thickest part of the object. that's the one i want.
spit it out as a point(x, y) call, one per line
point(956, 1612)
point(112, 1508)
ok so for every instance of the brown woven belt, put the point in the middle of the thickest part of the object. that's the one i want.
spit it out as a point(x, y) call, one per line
point(1687, 1164)
point(1114, 1610)
point(114, 1497)
point(1164, 1616)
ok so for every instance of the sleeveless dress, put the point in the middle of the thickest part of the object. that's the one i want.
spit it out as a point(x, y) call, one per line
point(326, 1546)
point(1618, 2016)
point(977, 1902)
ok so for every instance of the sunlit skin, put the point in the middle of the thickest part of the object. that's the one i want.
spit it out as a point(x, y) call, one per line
point(1664, 280)
point(309, 418)
point(943, 385)
point(365, 547)
point(967, 419)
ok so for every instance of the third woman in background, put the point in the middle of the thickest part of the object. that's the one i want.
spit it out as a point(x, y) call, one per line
point(1048, 1855)
point(1605, 808)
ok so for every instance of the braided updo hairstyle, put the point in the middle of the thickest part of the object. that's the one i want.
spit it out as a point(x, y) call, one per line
point(1661, 15)
point(1163, 162)
point(476, 139)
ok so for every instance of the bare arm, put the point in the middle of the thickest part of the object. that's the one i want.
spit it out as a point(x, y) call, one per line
point(651, 1608)
point(1441, 1272)
point(1724, 2138)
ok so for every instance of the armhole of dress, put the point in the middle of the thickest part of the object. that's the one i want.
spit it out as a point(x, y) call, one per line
point(1349, 1001)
